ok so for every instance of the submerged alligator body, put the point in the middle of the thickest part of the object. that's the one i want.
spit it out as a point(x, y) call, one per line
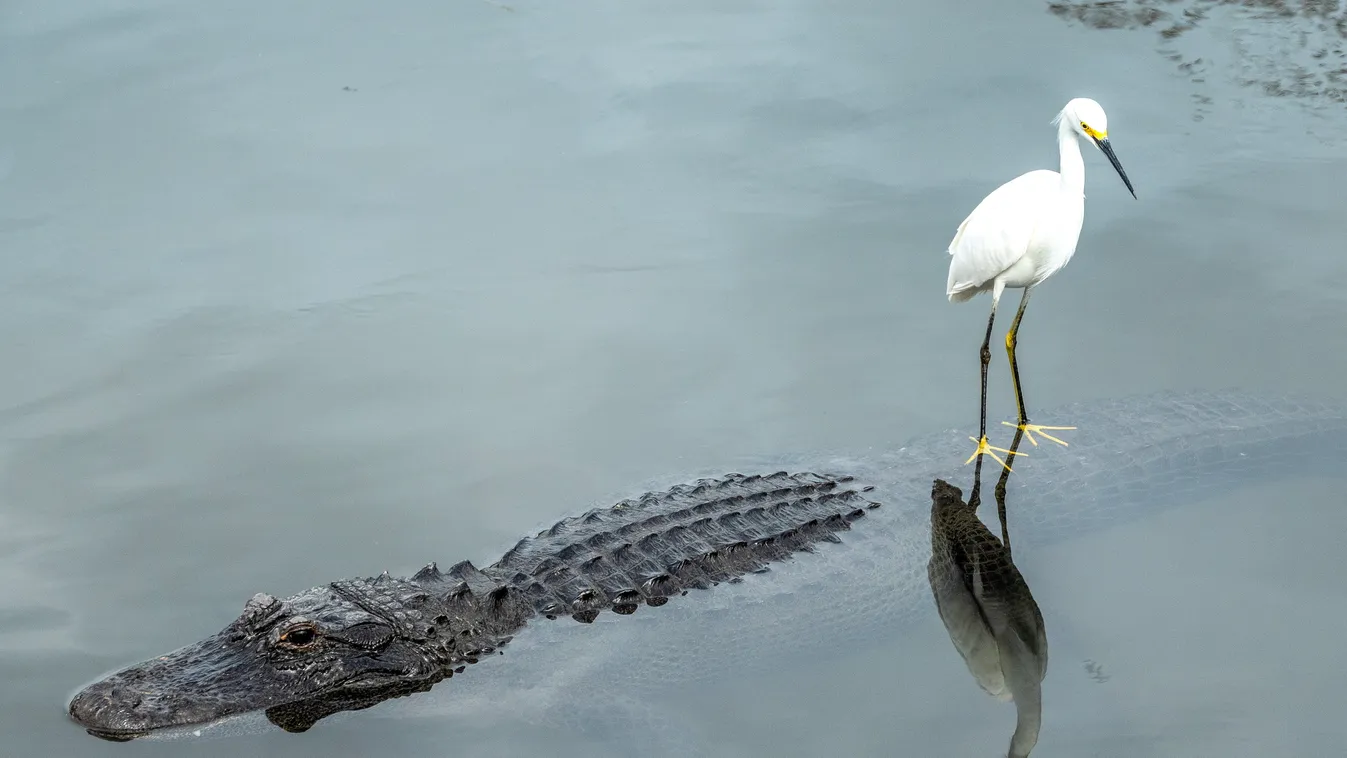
point(349, 645)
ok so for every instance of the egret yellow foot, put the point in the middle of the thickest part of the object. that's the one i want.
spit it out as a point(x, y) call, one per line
point(1031, 429)
point(985, 449)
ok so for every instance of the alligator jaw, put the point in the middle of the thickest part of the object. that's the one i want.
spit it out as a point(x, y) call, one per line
point(114, 735)
point(136, 701)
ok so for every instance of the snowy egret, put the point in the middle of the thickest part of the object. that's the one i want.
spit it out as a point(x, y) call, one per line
point(1020, 235)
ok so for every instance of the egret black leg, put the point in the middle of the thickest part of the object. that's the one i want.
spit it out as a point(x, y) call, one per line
point(986, 357)
point(984, 448)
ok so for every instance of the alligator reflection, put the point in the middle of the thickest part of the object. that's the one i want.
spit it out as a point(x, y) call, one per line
point(1280, 48)
point(986, 606)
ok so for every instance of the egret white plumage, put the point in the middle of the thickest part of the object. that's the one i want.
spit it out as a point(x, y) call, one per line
point(1021, 234)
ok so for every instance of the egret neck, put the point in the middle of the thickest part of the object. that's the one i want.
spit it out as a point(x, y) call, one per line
point(1072, 164)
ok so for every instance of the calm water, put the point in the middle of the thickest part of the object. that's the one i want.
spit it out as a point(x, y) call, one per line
point(294, 292)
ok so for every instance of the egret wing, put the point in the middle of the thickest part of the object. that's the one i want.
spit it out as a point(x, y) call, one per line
point(997, 233)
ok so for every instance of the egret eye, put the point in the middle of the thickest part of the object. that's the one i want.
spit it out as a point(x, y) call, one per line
point(1084, 126)
point(300, 636)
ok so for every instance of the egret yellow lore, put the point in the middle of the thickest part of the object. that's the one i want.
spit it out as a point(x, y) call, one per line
point(1021, 234)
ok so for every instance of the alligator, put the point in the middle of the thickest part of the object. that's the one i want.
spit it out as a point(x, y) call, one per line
point(351, 644)
point(356, 635)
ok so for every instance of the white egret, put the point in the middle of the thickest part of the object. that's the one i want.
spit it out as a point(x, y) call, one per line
point(1020, 235)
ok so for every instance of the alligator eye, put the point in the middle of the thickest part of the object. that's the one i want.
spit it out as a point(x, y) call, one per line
point(300, 636)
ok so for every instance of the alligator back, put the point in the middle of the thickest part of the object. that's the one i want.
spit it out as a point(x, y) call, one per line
point(696, 535)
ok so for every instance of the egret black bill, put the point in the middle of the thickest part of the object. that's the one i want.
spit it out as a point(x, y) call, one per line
point(1108, 150)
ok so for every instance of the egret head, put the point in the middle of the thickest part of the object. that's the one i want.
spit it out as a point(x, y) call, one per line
point(1086, 118)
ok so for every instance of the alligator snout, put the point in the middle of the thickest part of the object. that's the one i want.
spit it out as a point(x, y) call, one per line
point(124, 706)
point(198, 684)
point(113, 710)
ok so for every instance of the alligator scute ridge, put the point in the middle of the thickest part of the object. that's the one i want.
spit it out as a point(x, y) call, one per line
point(434, 624)
point(650, 548)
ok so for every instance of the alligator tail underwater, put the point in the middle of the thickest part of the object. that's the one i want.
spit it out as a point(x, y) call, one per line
point(351, 644)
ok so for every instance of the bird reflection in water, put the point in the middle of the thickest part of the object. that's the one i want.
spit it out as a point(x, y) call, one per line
point(986, 606)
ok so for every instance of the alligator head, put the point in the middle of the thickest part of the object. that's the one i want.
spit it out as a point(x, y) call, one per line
point(345, 646)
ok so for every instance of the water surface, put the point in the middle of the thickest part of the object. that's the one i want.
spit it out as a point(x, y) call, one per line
point(303, 291)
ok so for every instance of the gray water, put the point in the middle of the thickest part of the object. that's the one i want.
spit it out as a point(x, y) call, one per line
point(295, 292)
